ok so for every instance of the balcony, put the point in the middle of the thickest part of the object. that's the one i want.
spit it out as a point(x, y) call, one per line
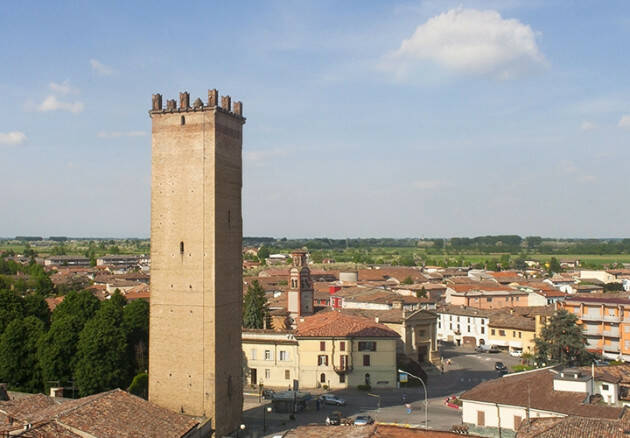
point(588, 317)
point(613, 346)
point(592, 329)
point(611, 318)
point(612, 332)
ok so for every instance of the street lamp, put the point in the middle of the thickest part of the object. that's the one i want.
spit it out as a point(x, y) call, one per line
point(426, 402)
point(242, 428)
point(265, 410)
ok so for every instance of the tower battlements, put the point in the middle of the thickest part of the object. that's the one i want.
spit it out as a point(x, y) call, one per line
point(213, 103)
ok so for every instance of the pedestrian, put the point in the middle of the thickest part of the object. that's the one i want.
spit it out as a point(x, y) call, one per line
point(408, 406)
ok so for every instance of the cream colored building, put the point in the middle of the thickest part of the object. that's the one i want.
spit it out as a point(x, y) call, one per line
point(329, 349)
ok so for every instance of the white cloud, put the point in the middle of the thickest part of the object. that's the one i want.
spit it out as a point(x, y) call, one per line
point(100, 68)
point(62, 88)
point(587, 126)
point(469, 41)
point(428, 184)
point(116, 134)
point(261, 157)
point(12, 138)
point(624, 122)
point(51, 103)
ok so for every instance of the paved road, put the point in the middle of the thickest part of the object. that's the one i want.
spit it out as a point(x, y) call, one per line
point(467, 370)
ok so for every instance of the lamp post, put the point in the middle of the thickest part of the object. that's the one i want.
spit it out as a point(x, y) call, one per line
point(426, 401)
point(265, 410)
point(242, 428)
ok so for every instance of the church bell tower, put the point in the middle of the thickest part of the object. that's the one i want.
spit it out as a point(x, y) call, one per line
point(300, 301)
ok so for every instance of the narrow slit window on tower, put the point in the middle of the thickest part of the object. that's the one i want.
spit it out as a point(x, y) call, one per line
point(229, 217)
point(181, 247)
point(183, 121)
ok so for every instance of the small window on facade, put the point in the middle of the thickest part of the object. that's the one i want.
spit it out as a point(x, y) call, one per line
point(322, 360)
point(519, 334)
point(322, 378)
point(181, 248)
point(366, 360)
point(501, 332)
point(268, 355)
point(322, 346)
point(267, 374)
point(342, 346)
point(513, 333)
point(253, 354)
point(284, 355)
point(182, 121)
point(492, 332)
point(482, 330)
point(605, 387)
point(342, 378)
point(489, 299)
point(287, 375)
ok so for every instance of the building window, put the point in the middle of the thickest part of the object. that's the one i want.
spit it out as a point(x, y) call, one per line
point(483, 330)
point(343, 361)
point(253, 354)
point(501, 332)
point(468, 329)
point(481, 418)
point(182, 121)
point(322, 346)
point(267, 374)
point(342, 346)
point(605, 387)
point(489, 299)
point(322, 378)
point(440, 324)
point(366, 360)
point(322, 360)
point(458, 319)
point(519, 334)
point(342, 378)
point(367, 346)
point(422, 333)
point(450, 317)
point(513, 333)
point(287, 375)
point(469, 320)
point(450, 326)
point(181, 248)
point(517, 300)
point(268, 355)
point(284, 355)
point(492, 332)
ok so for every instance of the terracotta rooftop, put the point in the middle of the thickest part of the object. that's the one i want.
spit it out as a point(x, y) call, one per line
point(112, 414)
point(575, 427)
point(391, 315)
point(334, 323)
point(512, 389)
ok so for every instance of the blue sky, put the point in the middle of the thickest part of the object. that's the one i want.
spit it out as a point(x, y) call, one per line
point(364, 119)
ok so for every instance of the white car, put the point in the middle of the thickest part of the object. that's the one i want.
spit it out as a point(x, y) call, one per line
point(331, 399)
point(516, 353)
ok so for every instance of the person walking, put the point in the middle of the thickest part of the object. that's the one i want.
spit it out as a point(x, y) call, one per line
point(408, 406)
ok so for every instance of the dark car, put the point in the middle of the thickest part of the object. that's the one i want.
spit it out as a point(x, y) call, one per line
point(334, 419)
point(268, 394)
point(331, 399)
point(500, 366)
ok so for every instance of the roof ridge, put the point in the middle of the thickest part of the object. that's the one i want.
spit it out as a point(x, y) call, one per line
point(86, 400)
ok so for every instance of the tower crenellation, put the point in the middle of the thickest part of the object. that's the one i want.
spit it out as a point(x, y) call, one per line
point(215, 102)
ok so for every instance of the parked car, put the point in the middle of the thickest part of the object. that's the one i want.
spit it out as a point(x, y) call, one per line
point(334, 419)
point(502, 372)
point(500, 366)
point(516, 353)
point(268, 394)
point(331, 399)
point(363, 420)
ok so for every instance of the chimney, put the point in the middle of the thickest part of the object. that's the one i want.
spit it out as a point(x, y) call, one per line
point(56, 392)
point(238, 108)
point(171, 105)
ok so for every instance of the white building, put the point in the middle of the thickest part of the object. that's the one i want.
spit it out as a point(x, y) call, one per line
point(463, 325)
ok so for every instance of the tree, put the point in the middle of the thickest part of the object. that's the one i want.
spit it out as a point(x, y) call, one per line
point(140, 386)
point(407, 260)
point(407, 280)
point(263, 254)
point(35, 305)
point(11, 307)
point(19, 366)
point(255, 308)
point(101, 361)
point(82, 305)
point(57, 349)
point(136, 325)
point(562, 341)
point(422, 293)
point(554, 266)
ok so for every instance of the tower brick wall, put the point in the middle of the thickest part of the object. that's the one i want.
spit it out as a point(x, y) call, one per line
point(196, 280)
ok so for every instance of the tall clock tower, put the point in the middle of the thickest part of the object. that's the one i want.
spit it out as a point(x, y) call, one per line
point(300, 302)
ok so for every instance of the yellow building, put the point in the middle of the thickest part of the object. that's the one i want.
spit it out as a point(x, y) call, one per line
point(329, 349)
point(515, 332)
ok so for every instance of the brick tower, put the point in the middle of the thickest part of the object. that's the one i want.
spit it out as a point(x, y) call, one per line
point(196, 239)
point(301, 291)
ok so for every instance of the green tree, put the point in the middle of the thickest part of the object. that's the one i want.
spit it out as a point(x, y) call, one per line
point(11, 307)
point(57, 349)
point(407, 260)
point(407, 280)
point(263, 253)
point(562, 341)
point(101, 360)
point(19, 366)
point(136, 326)
point(140, 386)
point(35, 305)
point(554, 266)
point(255, 308)
point(82, 304)
point(422, 293)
